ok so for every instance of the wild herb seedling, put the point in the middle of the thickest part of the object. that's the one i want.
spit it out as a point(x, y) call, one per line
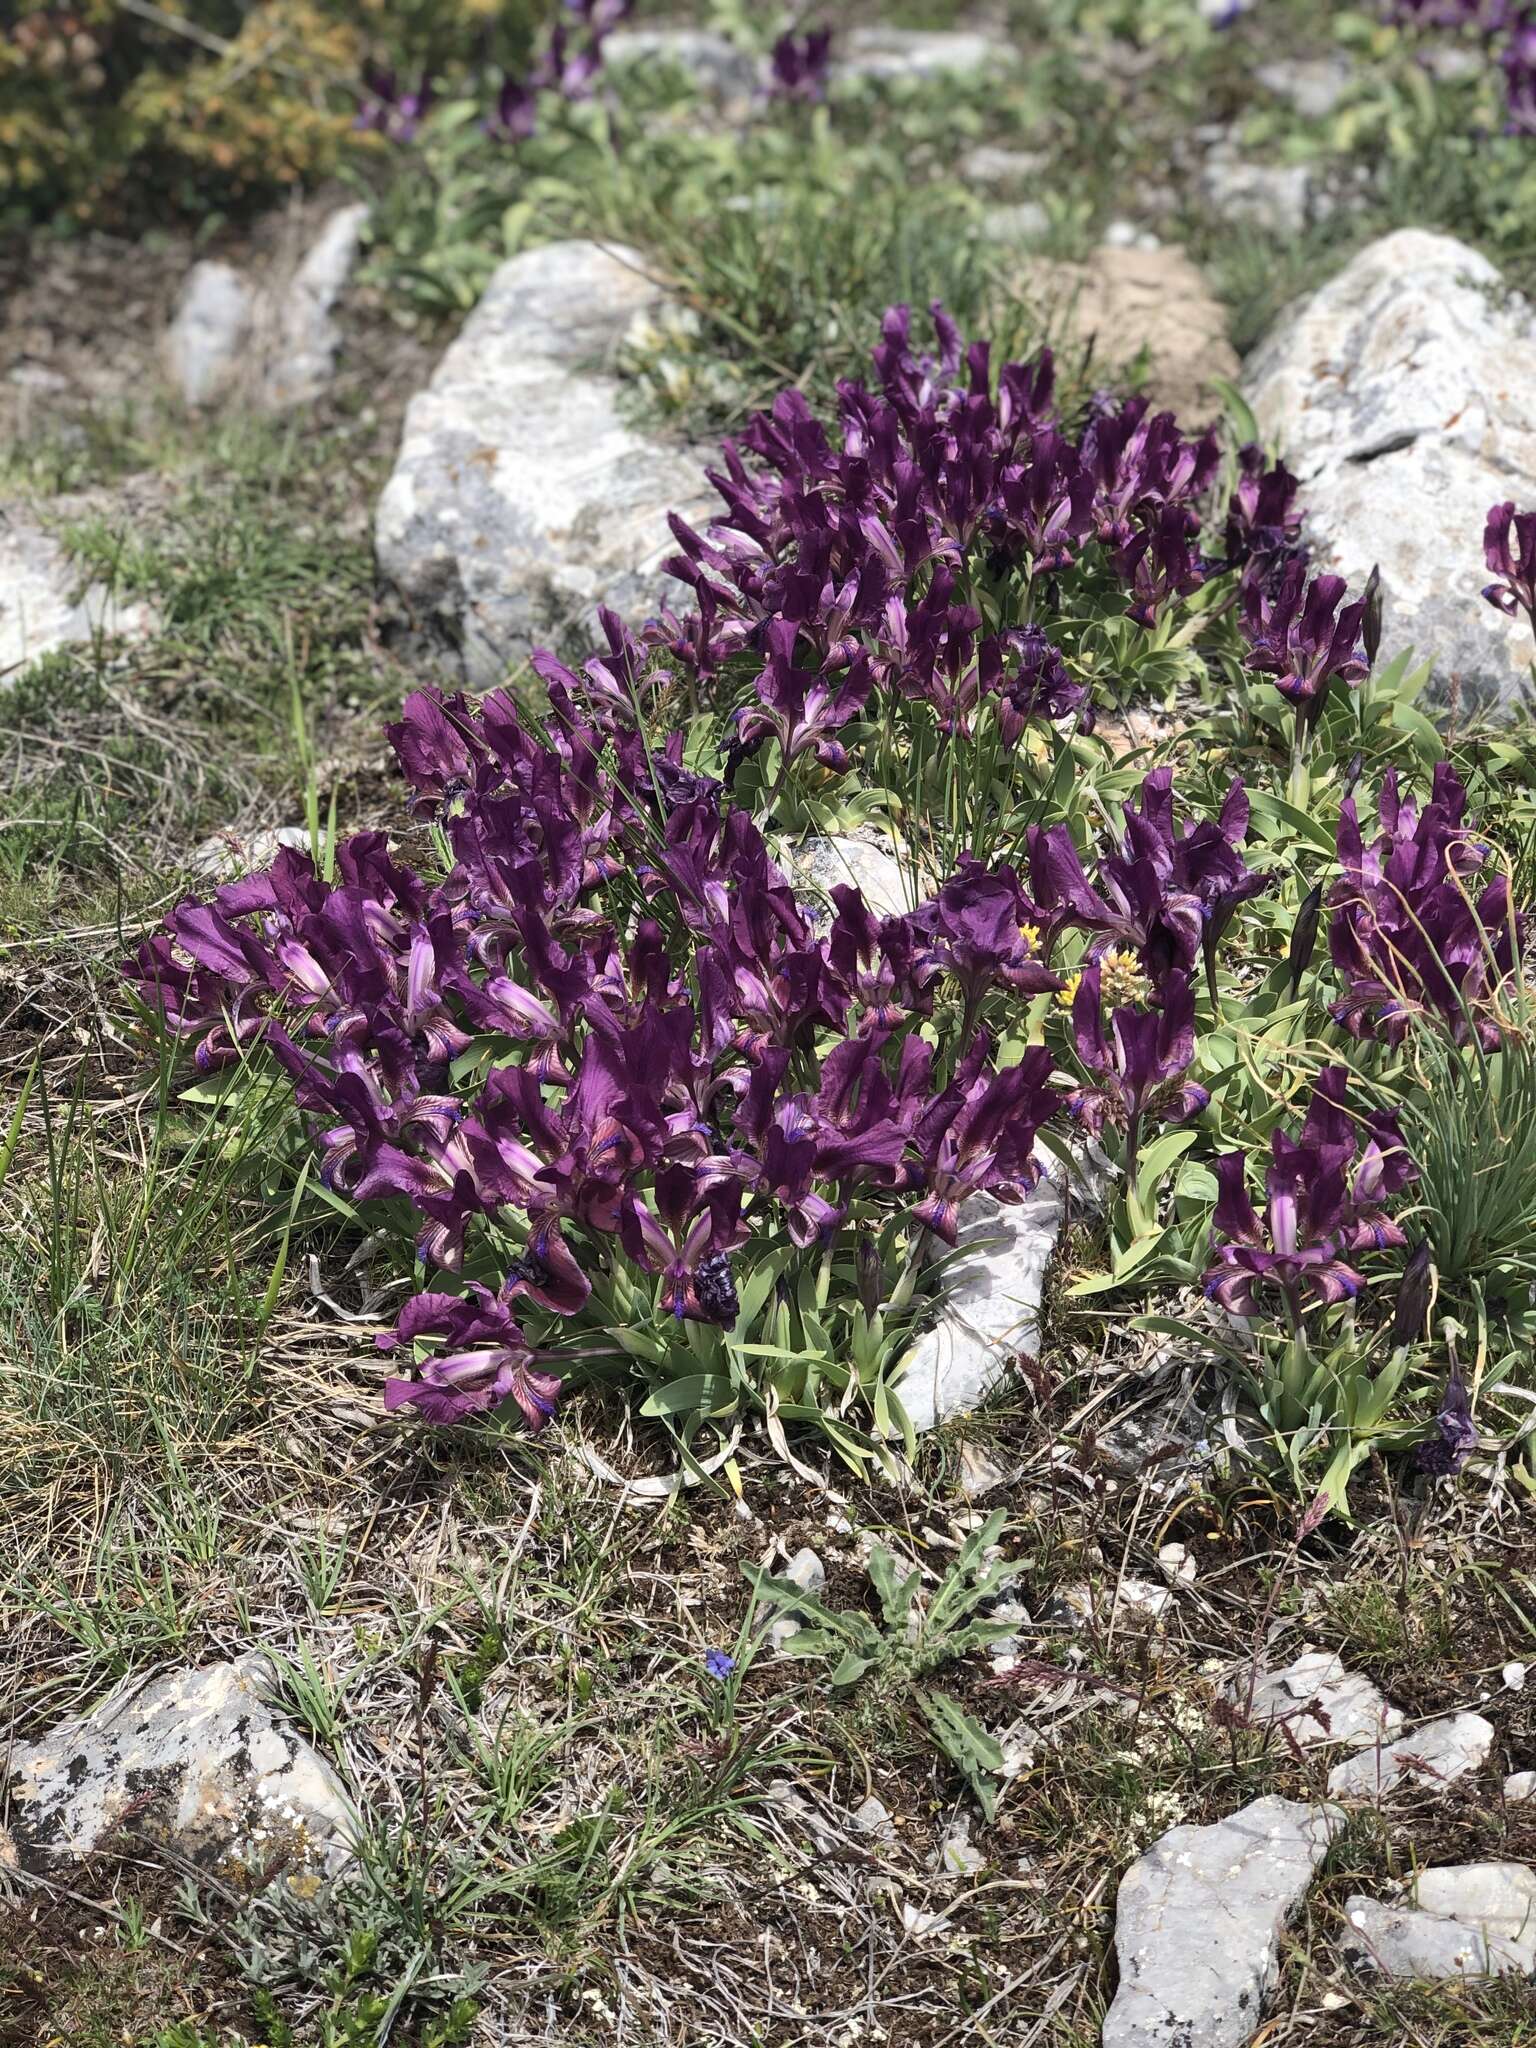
point(913, 1638)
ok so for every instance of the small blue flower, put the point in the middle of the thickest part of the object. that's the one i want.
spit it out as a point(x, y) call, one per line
point(718, 1664)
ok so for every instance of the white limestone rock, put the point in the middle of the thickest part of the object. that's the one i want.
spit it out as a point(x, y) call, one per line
point(1520, 1786)
point(225, 856)
point(1318, 1702)
point(521, 498)
point(300, 358)
point(1199, 1920)
point(196, 1759)
point(1118, 1601)
point(712, 62)
point(987, 164)
point(1463, 1920)
point(1427, 1758)
point(873, 1817)
point(1280, 197)
point(888, 54)
point(806, 1571)
point(993, 1287)
point(957, 1855)
point(863, 864)
point(43, 607)
point(1403, 394)
point(1313, 85)
point(271, 340)
point(208, 343)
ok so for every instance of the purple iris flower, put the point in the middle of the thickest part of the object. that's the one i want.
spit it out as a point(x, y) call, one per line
point(1455, 1438)
point(1263, 519)
point(979, 1135)
point(798, 66)
point(801, 710)
point(390, 108)
point(1155, 892)
point(1326, 1196)
point(688, 1237)
point(486, 1360)
point(515, 116)
point(1415, 930)
point(1518, 60)
point(1295, 637)
point(982, 929)
point(1137, 1067)
point(1032, 683)
point(719, 1663)
point(1509, 547)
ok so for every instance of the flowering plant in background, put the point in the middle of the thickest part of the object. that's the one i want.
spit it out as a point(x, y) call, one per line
point(798, 64)
point(567, 64)
point(1507, 27)
point(391, 108)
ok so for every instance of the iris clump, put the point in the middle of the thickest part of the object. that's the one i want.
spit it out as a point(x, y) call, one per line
point(1422, 925)
point(798, 65)
point(567, 64)
point(1326, 1195)
point(650, 1101)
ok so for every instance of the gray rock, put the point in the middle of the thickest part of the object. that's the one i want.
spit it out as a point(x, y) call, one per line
point(1428, 1758)
point(1280, 197)
point(898, 53)
point(806, 1570)
point(521, 499)
point(1451, 62)
point(1313, 85)
point(1403, 394)
point(1119, 1602)
point(196, 1759)
point(208, 342)
point(300, 357)
point(42, 605)
point(1166, 1442)
point(714, 63)
point(1199, 1920)
point(1520, 1786)
point(872, 869)
point(1318, 1702)
point(993, 1288)
point(1465, 1920)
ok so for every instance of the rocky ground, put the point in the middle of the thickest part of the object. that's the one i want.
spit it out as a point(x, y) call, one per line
point(323, 1729)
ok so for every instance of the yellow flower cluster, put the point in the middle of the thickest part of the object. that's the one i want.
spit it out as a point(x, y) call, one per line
point(1122, 983)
